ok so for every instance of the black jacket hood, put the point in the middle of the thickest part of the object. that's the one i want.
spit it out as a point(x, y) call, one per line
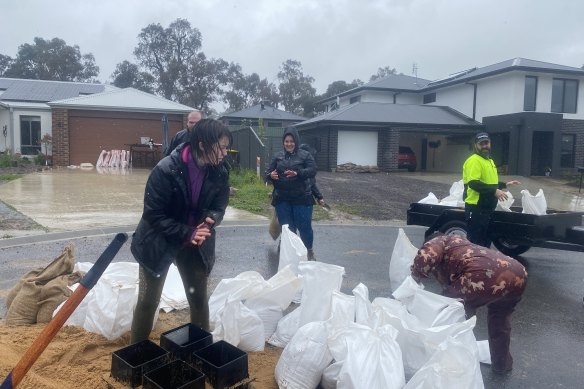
point(294, 132)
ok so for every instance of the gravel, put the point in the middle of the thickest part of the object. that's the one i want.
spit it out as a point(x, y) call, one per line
point(376, 196)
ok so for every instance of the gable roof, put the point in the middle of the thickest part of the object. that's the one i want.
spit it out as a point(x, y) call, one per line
point(503, 67)
point(267, 112)
point(393, 82)
point(127, 99)
point(41, 91)
point(391, 114)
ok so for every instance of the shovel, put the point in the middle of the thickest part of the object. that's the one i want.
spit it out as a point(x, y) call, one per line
point(49, 332)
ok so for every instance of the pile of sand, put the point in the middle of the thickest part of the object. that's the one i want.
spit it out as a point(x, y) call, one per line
point(79, 359)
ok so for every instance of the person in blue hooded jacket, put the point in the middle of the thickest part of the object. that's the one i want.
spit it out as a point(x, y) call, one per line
point(291, 172)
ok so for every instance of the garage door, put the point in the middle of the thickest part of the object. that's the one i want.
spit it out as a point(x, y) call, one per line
point(90, 132)
point(358, 147)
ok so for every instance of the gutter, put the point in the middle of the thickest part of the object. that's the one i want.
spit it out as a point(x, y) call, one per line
point(474, 99)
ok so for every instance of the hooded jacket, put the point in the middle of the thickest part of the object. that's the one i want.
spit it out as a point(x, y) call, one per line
point(295, 190)
point(163, 229)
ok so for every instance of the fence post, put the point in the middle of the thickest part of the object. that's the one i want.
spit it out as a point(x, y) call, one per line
point(258, 166)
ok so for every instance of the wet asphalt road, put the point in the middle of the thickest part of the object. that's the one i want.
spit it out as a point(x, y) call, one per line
point(548, 325)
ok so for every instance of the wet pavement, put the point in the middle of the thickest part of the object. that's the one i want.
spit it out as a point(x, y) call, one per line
point(547, 339)
point(78, 199)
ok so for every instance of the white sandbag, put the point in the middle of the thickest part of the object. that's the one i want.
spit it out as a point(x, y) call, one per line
point(430, 199)
point(371, 357)
point(292, 250)
point(417, 342)
point(99, 162)
point(330, 375)
point(319, 281)
point(239, 288)
point(406, 291)
point(362, 304)
point(173, 294)
point(278, 290)
point(304, 358)
point(108, 308)
point(534, 205)
point(452, 366)
point(240, 326)
point(287, 327)
point(454, 199)
point(435, 310)
point(505, 205)
point(402, 258)
point(484, 351)
point(270, 315)
point(342, 310)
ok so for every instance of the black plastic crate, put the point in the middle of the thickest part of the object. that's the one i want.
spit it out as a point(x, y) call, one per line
point(130, 363)
point(182, 341)
point(223, 364)
point(175, 375)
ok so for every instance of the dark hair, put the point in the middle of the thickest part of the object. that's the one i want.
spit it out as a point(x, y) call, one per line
point(208, 132)
point(433, 235)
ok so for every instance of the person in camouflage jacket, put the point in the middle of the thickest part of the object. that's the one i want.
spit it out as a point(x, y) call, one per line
point(478, 276)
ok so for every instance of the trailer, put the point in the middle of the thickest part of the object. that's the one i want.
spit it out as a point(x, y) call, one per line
point(512, 233)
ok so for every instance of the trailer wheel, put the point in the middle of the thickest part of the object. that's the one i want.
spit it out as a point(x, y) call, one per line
point(454, 227)
point(512, 250)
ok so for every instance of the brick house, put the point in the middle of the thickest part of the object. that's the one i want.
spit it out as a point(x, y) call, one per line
point(82, 118)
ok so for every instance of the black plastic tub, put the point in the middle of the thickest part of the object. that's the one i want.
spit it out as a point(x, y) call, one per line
point(222, 363)
point(175, 375)
point(182, 341)
point(130, 363)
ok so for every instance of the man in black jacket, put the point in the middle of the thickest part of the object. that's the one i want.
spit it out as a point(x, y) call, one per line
point(185, 198)
point(183, 135)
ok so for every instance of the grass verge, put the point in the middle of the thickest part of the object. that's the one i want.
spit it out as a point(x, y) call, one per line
point(252, 195)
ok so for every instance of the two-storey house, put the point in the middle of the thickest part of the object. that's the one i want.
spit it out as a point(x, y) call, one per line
point(533, 110)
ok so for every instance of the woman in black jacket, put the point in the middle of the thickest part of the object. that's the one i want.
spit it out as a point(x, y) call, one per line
point(185, 198)
point(291, 171)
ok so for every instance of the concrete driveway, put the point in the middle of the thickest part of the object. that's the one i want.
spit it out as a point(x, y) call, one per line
point(78, 199)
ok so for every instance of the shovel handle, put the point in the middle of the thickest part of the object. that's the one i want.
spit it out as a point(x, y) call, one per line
point(49, 332)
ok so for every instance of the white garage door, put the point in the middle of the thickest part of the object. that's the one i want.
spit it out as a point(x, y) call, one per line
point(358, 147)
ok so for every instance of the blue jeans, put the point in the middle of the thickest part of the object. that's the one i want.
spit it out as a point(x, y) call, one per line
point(298, 218)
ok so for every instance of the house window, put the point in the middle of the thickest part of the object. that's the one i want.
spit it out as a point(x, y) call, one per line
point(30, 135)
point(275, 124)
point(430, 98)
point(564, 95)
point(567, 155)
point(530, 93)
point(355, 99)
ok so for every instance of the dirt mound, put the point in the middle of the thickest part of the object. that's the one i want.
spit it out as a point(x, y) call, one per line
point(82, 360)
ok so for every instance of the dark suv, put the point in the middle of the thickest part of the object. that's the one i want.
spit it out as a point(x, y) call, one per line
point(407, 159)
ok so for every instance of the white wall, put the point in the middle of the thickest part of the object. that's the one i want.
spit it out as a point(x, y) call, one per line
point(4, 121)
point(458, 97)
point(46, 124)
point(504, 94)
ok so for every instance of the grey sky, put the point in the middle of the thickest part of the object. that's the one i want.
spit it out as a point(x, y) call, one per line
point(334, 39)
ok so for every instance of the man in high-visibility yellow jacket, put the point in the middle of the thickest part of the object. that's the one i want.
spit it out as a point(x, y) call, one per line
point(482, 190)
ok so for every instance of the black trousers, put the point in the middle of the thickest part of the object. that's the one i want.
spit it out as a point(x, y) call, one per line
point(477, 222)
point(194, 277)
